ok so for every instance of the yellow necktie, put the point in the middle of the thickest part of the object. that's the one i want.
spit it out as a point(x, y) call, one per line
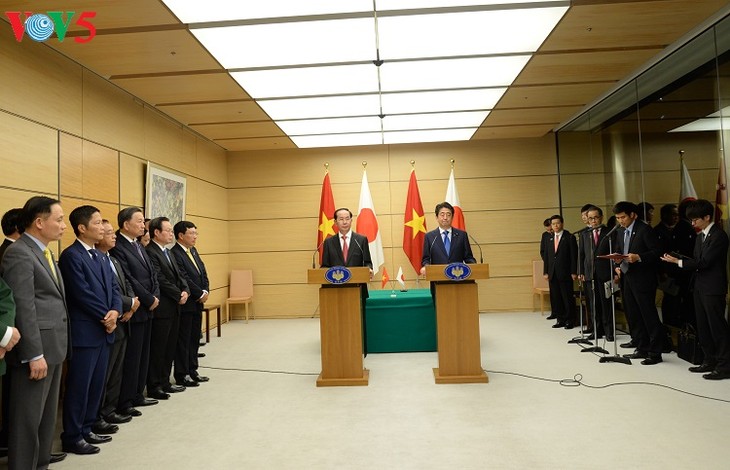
point(51, 264)
point(190, 255)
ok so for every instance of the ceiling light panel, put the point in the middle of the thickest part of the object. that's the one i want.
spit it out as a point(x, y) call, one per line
point(331, 126)
point(470, 119)
point(451, 73)
point(195, 11)
point(304, 81)
point(467, 33)
point(427, 136)
point(322, 107)
point(436, 101)
point(384, 5)
point(338, 140)
point(284, 44)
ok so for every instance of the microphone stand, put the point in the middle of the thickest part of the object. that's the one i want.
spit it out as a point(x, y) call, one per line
point(580, 339)
point(595, 348)
point(616, 356)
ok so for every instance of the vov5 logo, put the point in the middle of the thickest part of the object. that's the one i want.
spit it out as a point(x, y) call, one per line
point(39, 26)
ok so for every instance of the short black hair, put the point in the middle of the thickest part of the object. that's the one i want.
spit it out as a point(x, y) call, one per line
point(586, 207)
point(156, 224)
point(182, 227)
point(557, 216)
point(643, 209)
point(626, 207)
point(444, 205)
point(126, 215)
point(667, 211)
point(81, 216)
point(37, 206)
point(596, 208)
point(11, 222)
point(546, 222)
point(699, 209)
point(334, 216)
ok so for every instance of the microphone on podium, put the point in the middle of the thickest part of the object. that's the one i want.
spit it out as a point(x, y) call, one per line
point(315, 252)
point(481, 255)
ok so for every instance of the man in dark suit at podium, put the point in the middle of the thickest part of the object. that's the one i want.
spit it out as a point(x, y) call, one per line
point(446, 244)
point(347, 248)
point(709, 268)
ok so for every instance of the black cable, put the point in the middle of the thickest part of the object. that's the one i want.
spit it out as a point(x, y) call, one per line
point(577, 381)
point(263, 371)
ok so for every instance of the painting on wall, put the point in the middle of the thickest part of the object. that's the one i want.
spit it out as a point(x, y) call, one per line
point(165, 194)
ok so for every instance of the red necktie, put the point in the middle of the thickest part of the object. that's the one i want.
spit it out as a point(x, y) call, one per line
point(557, 242)
point(595, 236)
point(344, 247)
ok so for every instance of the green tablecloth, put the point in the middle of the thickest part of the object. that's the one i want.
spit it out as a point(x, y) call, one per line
point(405, 323)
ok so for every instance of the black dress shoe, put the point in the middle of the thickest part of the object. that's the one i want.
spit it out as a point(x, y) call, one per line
point(592, 336)
point(551, 317)
point(637, 355)
point(702, 368)
point(145, 402)
point(130, 412)
point(81, 447)
point(628, 345)
point(200, 378)
point(202, 343)
point(559, 325)
point(651, 360)
point(568, 326)
point(201, 354)
point(58, 456)
point(587, 331)
point(102, 427)
point(116, 418)
point(610, 339)
point(93, 438)
point(715, 375)
point(174, 388)
point(158, 394)
point(187, 381)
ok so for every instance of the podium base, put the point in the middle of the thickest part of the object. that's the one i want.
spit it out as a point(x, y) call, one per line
point(344, 381)
point(459, 379)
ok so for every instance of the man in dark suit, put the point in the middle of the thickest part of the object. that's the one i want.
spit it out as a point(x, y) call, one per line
point(445, 244)
point(347, 248)
point(30, 270)
point(638, 242)
point(193, 270)
point(174, 293)
point(709, 268)
point(94, 304)
point(596, 272)
point(130, 303)
point(139, 271)
point(560, 271)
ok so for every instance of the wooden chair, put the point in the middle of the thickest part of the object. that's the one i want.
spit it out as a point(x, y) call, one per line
point(539, 285)
point(240, 290)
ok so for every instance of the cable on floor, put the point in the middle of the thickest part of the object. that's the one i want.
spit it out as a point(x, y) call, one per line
point(577, 381)
point(263, 371)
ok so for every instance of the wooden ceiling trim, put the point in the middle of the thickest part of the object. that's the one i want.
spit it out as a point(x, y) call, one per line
point(167, 74)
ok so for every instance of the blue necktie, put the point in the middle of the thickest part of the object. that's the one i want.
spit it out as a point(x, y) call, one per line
point(447, 242)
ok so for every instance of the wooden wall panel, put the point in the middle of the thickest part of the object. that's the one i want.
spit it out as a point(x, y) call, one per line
point(100, 173)
point(163, 139)
point(132, 174)
point(217, 267)
point(274, 202)
point(40, 83)
point(71, 165)
point(111, 116)
point(212, 235)
point(272, 235)
point(212, 163)
point(207, 200)
point(29, 155)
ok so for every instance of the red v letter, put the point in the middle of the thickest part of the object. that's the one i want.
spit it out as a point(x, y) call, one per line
point(17, 24)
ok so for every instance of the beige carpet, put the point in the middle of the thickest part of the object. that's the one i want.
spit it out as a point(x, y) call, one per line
point(403, 420)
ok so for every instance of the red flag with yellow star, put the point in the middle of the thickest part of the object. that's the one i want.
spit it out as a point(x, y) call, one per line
point(325, 216)
point(384, 278)
point(721, 214)
point(414, 227)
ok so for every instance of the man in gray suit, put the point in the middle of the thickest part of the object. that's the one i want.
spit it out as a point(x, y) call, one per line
point(30, 270)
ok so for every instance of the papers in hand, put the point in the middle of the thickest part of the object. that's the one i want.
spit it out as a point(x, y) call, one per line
point(615, 257)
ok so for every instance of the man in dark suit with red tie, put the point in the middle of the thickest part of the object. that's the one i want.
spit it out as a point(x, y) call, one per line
point(597, 271)
point(139, 271)
point(639, 243)
point(193, 270)
point(560, 271)
point(347, 248)
point(174, 293)
point(94, 304)
point(709, 268)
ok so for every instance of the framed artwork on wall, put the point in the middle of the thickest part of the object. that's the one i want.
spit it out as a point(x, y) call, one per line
point(165, 194)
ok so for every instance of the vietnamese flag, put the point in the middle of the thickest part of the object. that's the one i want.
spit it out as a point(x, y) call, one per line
point(452, 197)
point(414, 230)
point(325, 216)
point(384, 280)
point(367, 224)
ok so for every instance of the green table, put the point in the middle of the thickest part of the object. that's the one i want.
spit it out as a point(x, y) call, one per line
point(404, 323)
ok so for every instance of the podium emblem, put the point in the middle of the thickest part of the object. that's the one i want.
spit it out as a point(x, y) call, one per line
point(338, 275)
point(457, 271)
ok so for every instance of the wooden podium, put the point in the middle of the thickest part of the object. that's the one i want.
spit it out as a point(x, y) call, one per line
point(457, 325)
point(340, 324)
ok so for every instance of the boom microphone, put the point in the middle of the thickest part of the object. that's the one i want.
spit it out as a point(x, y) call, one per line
point(481, 256)
point(315, 252)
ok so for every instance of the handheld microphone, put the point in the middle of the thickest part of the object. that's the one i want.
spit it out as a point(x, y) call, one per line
point(315, 252)
point(481, 256)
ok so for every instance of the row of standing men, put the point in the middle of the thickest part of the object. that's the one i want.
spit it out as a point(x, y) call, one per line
point(684, 255)
point(121, 314)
